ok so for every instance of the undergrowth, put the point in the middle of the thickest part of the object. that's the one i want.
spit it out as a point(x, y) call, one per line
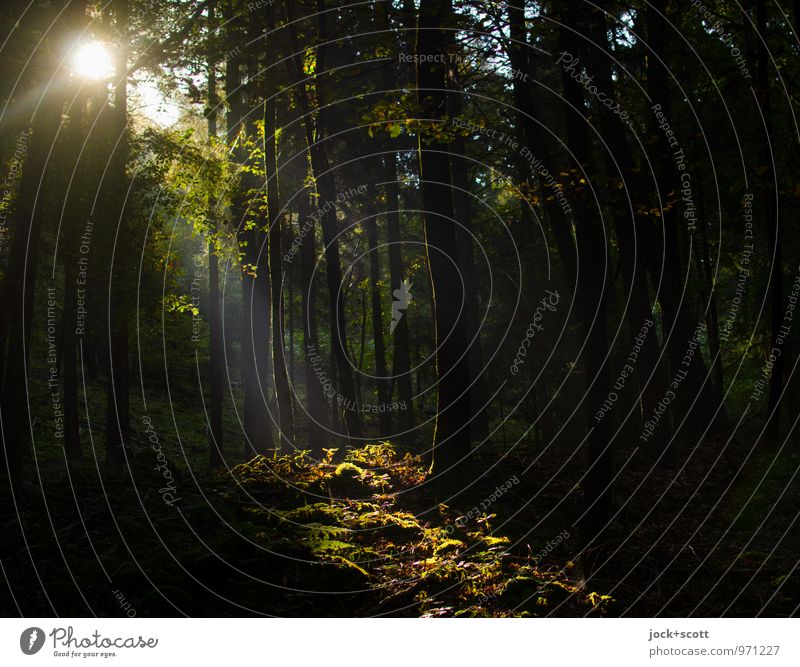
point(354, 534)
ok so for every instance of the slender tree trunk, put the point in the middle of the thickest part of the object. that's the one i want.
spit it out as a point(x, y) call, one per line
point(20, 278)
point(118, 397)
point(283, 390)
point(216, 350)
point(377, 327)
point(401, 355)
point(479, 425)
point(769, 195)
point(679, 330)
point(255, 350)
point(326, 191)
point(619, 164)
point(712, 318)
point(289, 314)
point(588, 286)
point(75, 212)
point(317, 433)
point(451, 438)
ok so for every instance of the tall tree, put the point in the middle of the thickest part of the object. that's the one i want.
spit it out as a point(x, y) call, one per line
point(401, 355)
point(576, 38)
point(216, 350)
point(772, 211)
point(118, 389)
point(377, 324)
point(663, 248)
point(587, 285)
point(317, 432)
point(451, 443)
point(255, 349)
point(326, 191)
point(27, 224)
point(462, 205)
point(283, 391)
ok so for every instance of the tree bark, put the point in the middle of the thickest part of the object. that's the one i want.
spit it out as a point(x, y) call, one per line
point(384, 420)
point(326, 191)
point(216, 350)
point(118, 396)
point(462, 204)
point(255, 351)
point(588, 286)
point(619, 164)
point(676, 312)
point(451, 443)
point(317, 432)
point(283, 391)
point(769, 194)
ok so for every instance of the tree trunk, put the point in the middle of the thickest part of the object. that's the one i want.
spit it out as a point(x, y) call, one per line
point(588, 286)
point(712, 317)
point(462, 204)
point(451, 444)
point(118, 397)
point(401, 355)
point(216, 350)
point(283, 391)
point(255, 350)
point(769, 195)
point(317, 432)
point(677, 323)
point(630, 235)
point(326, 191)
point(20, 278)
point(377, 327)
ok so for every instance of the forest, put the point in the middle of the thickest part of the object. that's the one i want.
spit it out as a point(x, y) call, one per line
point(399, 308)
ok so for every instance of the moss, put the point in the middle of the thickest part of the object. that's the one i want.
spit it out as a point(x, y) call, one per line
point(448, 546)
point(350, 470)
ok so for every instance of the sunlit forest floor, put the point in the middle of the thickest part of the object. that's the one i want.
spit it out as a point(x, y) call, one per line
point(360, 533)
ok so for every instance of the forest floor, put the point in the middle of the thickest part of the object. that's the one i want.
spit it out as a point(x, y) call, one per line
point(278, 536)
point(704, 531)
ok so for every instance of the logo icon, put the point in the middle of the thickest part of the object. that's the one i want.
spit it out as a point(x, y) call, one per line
point(401, 301)
point(31, 640)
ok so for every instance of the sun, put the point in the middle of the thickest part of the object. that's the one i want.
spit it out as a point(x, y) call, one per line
point(93, 61)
